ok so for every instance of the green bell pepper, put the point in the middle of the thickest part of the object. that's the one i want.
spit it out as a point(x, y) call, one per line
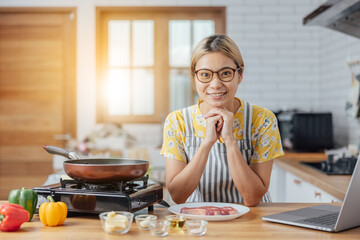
point(26, 198)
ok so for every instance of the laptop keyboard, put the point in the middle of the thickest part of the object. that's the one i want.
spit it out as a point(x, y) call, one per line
point(325, 220)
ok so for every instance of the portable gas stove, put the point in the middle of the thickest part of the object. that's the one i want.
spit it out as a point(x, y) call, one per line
point(82, 197)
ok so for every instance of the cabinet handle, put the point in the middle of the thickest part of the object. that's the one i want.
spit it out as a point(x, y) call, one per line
point(317, 194)
point(297, 181)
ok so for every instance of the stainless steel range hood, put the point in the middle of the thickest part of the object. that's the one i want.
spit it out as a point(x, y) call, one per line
point(340, 15)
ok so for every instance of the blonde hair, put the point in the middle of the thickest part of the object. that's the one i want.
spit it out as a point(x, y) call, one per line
point(216, 43)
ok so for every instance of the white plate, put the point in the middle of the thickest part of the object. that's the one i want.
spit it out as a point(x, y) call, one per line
point(241, 210)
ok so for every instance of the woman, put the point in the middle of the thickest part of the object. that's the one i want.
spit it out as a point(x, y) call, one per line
point(222, 149)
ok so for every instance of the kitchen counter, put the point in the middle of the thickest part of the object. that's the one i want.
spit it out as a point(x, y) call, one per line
point(247, 226)
point(335, 185)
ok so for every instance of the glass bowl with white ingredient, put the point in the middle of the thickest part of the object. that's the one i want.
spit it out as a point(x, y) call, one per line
point(196, 227)
point(118, 222)
point(143, 220)
point(159, 228)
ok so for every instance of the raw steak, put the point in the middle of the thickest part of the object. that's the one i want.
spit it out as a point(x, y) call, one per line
point(209, 210)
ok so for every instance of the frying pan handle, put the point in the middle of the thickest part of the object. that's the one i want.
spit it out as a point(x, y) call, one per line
point(60, 151)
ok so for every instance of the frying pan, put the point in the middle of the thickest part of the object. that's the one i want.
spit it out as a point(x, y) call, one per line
point(100, 170)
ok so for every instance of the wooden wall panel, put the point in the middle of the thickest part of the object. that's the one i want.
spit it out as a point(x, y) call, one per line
point(37, 91)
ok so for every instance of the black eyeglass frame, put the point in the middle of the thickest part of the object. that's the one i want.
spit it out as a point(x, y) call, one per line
point(217, 72)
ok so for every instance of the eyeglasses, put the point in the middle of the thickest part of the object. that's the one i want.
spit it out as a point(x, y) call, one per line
point(225, 74)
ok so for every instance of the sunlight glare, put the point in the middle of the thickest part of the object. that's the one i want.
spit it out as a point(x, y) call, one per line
point(118, 92)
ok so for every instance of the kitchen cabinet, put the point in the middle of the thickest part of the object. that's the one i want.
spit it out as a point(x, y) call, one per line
point(299, 190)
point(287, 187)
point(277, 184)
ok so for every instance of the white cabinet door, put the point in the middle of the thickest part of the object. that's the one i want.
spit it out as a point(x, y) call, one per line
point(298, 190)
point(277, 184)
point(325, 197)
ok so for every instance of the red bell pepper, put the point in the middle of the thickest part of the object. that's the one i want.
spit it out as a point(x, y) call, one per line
point(12, 216)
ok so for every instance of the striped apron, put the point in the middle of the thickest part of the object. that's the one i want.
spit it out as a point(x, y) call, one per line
point(216, 184)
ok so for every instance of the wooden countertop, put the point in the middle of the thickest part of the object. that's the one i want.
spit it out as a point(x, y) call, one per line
point(247, 226)
point(335, 185)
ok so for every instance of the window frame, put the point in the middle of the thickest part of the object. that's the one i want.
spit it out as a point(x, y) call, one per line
point(161, 17)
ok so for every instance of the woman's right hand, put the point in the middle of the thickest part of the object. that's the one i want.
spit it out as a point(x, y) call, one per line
point(214, 123)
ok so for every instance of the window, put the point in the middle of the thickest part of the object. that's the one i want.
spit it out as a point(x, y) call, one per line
point(143, 60)
point(183, 37)
point(130, 81)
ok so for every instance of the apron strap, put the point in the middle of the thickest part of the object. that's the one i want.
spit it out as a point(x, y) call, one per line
point(188, 121)
point(247, 147)
point(196, 196)
point(189, 132)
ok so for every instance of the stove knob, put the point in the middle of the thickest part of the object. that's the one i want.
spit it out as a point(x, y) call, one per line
point(139, 203)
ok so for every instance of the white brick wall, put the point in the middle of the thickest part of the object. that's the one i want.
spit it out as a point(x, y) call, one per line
point(281, 55)
point(287, 65)
point(335, 82)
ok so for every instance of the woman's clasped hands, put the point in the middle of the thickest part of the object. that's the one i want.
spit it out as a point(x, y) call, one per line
point(219, 123)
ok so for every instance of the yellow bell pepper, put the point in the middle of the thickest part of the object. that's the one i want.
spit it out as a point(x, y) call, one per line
point(52, 213)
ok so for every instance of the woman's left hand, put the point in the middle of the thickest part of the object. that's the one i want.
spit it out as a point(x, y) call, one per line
point(226, 131)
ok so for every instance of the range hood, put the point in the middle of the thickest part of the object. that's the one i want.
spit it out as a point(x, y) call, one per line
point(339, 15)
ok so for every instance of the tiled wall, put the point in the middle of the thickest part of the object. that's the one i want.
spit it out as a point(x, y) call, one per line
point(335, 82)
point(287, 65)
point(281, 55)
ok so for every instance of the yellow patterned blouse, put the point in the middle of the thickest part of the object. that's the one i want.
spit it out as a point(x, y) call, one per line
point(265, 136)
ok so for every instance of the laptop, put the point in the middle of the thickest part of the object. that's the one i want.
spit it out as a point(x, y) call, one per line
point(324, 217)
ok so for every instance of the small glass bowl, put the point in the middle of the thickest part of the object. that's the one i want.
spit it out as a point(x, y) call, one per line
point(143, 220)
point(177, 222)
point(116, 221)
point(159, 228)
point(196, 227)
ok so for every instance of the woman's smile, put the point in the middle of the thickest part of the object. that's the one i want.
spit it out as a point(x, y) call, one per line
point(217, 95)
